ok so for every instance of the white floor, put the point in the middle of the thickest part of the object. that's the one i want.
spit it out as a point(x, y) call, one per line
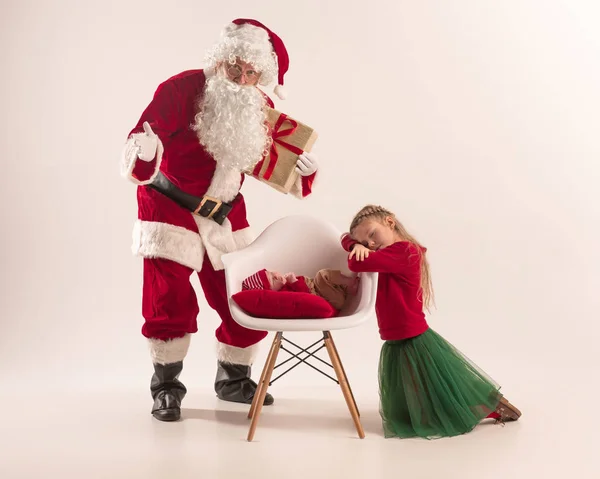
point(308, 433)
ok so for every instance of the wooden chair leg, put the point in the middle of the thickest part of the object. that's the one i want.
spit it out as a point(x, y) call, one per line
point(259, 398)
point(345, 376)
point(337, 366)
point(262, 378)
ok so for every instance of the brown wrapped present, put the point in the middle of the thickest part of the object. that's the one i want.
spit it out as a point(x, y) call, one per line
point(289, 139)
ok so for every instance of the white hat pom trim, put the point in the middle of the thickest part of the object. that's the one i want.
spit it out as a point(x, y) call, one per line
point(281, 92)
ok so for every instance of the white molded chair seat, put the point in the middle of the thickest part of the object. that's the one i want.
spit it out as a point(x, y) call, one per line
point(302, 245)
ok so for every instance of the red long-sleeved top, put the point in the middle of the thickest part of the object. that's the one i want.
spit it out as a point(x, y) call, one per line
point(298, 286)
point(399, 306)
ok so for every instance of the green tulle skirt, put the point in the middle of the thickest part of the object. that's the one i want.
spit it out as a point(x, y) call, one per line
point(429, 389)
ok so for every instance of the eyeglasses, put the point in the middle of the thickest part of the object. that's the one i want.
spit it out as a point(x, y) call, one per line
point(235, 71)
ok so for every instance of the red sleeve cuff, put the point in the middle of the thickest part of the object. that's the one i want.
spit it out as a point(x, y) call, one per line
point(307, 184)
point(347, 242)
point(143, 170)
point(298, 286)
point(302, 286)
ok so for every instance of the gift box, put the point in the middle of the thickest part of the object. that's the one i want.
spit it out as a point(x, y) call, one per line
point(289, 139)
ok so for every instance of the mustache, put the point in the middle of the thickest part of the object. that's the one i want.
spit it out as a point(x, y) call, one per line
point(235, 87)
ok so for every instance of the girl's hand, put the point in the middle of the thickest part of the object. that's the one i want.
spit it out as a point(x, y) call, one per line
point(360, 252)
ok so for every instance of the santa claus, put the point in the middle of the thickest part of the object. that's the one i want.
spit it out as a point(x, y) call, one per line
point(188, 153)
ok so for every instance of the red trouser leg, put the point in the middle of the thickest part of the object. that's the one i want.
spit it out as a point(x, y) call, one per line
point(235, 341)
point(169, 303)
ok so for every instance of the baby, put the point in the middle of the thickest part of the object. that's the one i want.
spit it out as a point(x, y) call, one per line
point(329, 284)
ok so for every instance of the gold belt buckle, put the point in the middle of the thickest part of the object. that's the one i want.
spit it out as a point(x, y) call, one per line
point(217, 203)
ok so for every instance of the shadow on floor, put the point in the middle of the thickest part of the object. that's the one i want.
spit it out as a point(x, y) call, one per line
point(289, 414)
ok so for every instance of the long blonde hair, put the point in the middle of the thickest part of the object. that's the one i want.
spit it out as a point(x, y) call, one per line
point(379, 213)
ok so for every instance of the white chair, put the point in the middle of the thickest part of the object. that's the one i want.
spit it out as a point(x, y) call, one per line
point(302, 245)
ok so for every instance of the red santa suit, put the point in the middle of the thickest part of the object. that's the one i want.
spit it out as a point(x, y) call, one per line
point(174, 242)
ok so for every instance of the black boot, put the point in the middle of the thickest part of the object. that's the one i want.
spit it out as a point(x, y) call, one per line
point(167, 391)
point(233, 384)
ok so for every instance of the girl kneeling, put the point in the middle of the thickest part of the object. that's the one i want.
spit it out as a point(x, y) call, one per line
point(428, 388)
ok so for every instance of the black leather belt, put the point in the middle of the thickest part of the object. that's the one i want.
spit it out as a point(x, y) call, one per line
point(204, 206)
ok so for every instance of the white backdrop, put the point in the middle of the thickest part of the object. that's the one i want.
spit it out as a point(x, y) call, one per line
point(475, 121)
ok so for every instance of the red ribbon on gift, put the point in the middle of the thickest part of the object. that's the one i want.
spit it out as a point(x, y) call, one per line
point(276, 136)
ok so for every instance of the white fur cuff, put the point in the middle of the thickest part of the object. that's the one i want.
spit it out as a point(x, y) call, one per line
point(129, 159)
point(152, 239)
point(170, 351)
point(219, 239)
point(235, 355)
point(297, 190)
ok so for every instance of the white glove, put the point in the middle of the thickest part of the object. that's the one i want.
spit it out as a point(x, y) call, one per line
point(146, 143)
point(306, 164)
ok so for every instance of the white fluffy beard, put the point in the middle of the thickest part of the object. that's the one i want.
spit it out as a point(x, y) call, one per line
point(230, 123)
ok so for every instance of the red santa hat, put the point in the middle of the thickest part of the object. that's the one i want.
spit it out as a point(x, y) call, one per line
point(283, 60)
point(253, 43)
point(258, 280)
